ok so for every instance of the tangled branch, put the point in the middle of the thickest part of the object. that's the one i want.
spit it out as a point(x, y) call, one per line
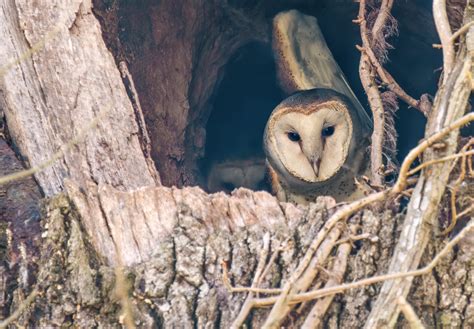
point(371, 69)
point(366, 73)
point(445, 35)
point(291, 294)
point(329, 291)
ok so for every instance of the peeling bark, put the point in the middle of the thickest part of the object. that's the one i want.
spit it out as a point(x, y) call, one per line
point(52, 96)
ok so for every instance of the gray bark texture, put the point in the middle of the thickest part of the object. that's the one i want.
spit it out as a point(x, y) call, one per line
point(101, 206)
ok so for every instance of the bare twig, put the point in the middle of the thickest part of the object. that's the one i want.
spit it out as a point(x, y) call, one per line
point(392, 85)
point(423, 105)
point(304, 281)
point(364, 236)
point(270, 262)
point(444, 30)
point(454, 189)
point(381, 20)
point(322, 254)
point(461, 31)
point(263, 302)
point(410, 314)
point(145, 142)
point(443, 159)
point(316, 315)
point(17, 313)
point(375, 101)
point(56, 156)
point(450, 104)
point(466, 211)
point(247, 306)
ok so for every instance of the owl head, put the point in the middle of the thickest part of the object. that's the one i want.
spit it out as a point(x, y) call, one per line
point(230, 174)
point(311, 137)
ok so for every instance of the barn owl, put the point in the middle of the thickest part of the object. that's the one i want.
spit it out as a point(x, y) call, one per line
point(230, 174)
point(315, 141)
point(312, 143)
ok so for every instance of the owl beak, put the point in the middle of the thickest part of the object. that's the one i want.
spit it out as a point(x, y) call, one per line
point(313, 157)
point(316, 162)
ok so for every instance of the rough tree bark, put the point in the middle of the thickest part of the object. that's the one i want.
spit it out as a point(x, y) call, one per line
point(108, 208)
point(168, 45)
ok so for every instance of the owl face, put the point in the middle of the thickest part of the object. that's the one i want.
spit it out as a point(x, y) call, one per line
point(309, 140)
point(231, 174)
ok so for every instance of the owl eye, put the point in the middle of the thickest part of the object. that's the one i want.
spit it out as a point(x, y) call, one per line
point(294, 137)
point(328, 131)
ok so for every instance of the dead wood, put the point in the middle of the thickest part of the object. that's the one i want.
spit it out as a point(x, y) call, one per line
point(450, 103)
point(71, 80)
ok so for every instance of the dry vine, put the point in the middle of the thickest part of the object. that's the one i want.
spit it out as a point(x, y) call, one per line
point(370, 70)
point(329, 291)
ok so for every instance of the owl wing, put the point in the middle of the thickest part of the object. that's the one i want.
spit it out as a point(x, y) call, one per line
point(275, 184)
point(304, 60)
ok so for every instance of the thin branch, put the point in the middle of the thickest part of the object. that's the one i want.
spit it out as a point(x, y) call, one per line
point(410, 315)
point(19, 311)
point(392, 85)
point(413, 154)
point(304, 281)
point(145, 142)
point(443, 159)
point(461, 31)
point(444, 30)
point(270, 262)
point(363, 236)
point(316, 315)
point(454, 189)
point(263, 302)
point(466, 211)
point(56, 156)
point(322, 254)
point(382, 17)
point(247, 306)
point(450, 104)
point(375, 101)
point(423, 105)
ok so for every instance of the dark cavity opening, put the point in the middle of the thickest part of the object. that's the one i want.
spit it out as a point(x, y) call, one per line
point(245, 98)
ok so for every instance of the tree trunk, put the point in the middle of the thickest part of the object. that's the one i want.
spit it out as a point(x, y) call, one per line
point(106, 214)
